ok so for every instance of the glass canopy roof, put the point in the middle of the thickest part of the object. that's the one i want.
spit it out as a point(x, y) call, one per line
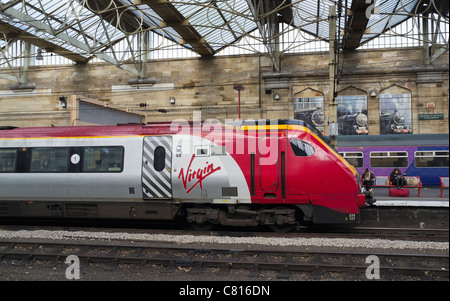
point(84, 29)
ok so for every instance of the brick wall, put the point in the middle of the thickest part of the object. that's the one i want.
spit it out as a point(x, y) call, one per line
point(206, 85)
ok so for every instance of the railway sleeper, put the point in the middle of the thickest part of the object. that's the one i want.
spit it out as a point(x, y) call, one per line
point(241, 216)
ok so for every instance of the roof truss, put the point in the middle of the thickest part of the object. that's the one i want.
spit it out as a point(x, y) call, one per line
point(171, 17)
point(81, 30)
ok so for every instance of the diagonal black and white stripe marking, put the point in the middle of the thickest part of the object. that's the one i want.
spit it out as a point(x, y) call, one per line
point(156, 184)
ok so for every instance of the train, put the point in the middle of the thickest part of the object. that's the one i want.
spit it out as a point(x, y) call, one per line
point(277, 173)
point(394, 124)
point(419, 155)
point(353, 124)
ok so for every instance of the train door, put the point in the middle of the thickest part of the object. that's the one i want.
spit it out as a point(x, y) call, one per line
point(268, 163)
point(156, 167)
point(301, 175)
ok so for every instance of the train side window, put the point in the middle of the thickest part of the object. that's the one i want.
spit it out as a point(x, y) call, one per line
point(49, 160)
point(389, 159)
point(431, 159)
point(354, 158)
point(8, 158)
point(300, 148)
point(103, 159)
point(159, 161)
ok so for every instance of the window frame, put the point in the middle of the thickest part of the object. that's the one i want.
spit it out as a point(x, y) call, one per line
point(83, 158)
point(24, 159)
point(428, 156)
point(388, 156)
point(54, 150)
point(344, 155)
point(14, 168)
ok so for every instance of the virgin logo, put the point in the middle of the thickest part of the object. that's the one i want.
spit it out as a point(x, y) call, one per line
point(189, 176)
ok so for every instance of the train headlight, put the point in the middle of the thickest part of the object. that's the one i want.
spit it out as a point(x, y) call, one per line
point(317, 118)
point(399, 118)
point(361, 119)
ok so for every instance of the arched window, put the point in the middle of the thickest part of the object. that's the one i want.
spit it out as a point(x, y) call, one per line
point(395, 114)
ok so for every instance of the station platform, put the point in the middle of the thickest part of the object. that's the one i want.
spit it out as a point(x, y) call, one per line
point(431, 197)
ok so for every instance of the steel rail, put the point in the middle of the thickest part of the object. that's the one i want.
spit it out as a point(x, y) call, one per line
point(285, 263)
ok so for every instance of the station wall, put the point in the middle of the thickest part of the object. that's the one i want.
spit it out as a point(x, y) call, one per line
point(182, 86)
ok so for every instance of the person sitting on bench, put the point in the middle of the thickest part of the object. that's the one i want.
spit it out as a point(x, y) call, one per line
point(368, 178)
point(397, 178)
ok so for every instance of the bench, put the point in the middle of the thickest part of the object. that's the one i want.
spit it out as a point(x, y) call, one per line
point(383, 181)
point(444, 184)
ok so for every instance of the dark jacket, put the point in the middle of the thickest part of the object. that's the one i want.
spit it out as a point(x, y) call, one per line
point(371, 177)
point(393, 176)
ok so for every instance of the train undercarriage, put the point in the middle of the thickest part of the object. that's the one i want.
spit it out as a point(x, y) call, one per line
point(280, 218)
point(200, 216)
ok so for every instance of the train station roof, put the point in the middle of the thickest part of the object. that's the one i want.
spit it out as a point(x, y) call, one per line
point(83, 29)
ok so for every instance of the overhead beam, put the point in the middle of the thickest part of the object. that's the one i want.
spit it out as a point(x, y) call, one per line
point(172, 17)
point(433, 14)
point(119, 17)
point(43, 44)
point(286, 13)
point(440, 7)
point(67, 39)
point(267, 16)
point(357, 23)
point(9, 77)
point(431, 49)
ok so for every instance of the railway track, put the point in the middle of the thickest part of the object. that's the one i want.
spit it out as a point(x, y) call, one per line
point(195, 260)
point(284, 263)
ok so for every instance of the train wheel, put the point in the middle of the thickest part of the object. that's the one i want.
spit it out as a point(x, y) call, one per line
point(197, 217)
point(206, 226)
point(284, 219)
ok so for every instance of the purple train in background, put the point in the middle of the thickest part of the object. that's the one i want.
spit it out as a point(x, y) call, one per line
point(423, 155)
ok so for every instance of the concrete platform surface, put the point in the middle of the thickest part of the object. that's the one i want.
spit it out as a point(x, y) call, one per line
point(430, 197)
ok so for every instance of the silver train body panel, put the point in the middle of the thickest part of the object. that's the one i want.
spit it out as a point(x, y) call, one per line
point(193, 169)
point(111, 187)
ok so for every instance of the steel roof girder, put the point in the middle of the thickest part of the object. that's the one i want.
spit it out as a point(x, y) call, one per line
point(66, 38)
point(270, 35)
point(171, 16)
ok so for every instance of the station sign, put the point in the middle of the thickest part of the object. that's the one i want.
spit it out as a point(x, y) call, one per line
point(431, 116)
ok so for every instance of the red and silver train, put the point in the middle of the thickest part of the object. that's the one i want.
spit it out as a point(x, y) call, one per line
point(247, 173)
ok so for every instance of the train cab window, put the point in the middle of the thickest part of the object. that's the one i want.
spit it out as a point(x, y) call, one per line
point(300, 148)
point(49, 160)
point(8, 159)
point(431, 159)
point(159, 161)
point(103, 159)
point(389, 159)
point(354, 158)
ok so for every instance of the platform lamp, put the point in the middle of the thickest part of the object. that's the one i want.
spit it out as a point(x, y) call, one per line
point(63, 101)
point(39, 56)
point(239, 88)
